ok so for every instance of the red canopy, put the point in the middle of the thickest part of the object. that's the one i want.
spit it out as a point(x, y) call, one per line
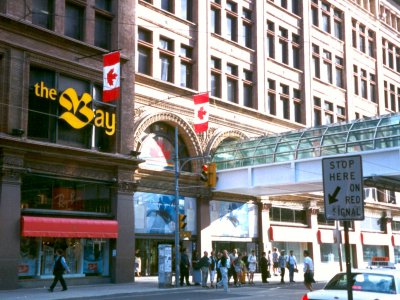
point(68, 227)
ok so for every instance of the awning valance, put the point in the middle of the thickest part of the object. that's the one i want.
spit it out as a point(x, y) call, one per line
point(68, 227)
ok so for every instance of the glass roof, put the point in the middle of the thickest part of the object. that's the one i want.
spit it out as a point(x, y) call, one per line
point(340, 138)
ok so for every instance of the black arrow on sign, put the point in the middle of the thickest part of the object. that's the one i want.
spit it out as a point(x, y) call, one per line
point(332, 198)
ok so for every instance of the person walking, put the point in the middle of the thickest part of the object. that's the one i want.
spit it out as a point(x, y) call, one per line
point(238, 264)
point(264, 267)
point(219, 276)
point(231, 270)
point(292, 264)
point(252, 260)
point(204, 264)
point(196, 275)
point(213, 268)
point(282, 264)
point(269, 259)
point(308, 270)
point(184, 267)
point(60, 266)
point(275, 261)
point(224, 266)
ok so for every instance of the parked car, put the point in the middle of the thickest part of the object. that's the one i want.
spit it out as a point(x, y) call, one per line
point(375, 284)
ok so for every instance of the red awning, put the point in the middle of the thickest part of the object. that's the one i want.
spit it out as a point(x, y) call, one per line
point(64, 227)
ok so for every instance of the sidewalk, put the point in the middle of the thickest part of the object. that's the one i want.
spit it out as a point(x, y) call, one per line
point(141, 285)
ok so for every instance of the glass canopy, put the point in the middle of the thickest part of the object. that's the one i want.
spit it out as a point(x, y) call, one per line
point(340, 138)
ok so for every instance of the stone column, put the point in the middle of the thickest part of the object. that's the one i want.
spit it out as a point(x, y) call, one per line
point(10, 202)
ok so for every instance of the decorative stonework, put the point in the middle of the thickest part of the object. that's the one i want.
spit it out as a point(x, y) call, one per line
point(190, 138)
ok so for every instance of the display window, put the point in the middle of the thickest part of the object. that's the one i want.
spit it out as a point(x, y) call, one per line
point(85, 257)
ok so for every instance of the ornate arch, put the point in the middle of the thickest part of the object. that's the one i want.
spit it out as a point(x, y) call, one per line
point(221, 135)
point(184, 128)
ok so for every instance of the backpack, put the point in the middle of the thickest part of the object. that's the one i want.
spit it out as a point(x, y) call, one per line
point(58, 267)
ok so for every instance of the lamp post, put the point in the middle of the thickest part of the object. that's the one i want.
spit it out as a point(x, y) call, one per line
point(177, 229)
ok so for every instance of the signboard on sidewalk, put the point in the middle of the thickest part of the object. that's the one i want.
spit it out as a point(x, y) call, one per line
point(343, 188)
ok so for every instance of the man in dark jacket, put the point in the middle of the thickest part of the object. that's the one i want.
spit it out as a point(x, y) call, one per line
point(184, 266)
point(60, 266)
point(204, 266)
point(264, 267)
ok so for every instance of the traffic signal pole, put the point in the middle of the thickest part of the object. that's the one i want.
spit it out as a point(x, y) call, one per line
point(177, 229)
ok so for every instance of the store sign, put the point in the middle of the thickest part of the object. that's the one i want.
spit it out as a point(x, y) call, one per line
point(78, 111)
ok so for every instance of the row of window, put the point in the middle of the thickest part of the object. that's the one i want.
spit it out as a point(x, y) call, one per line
point(285, 103)
point(75, 23)
point(327, 67)
point(363, 39)
point(325, 112)
point(392, 96)
point(391, 55)
point(231, 18)
point(292, 6)
point(182, 8)
point(327, 17)
point(364, 83)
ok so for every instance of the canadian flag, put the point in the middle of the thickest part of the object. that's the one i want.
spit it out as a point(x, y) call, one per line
point(111, 76)
point(201, 106)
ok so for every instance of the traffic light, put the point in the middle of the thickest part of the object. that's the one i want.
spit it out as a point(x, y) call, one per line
point(212, 174)
point(182, 222)
point(204, 173)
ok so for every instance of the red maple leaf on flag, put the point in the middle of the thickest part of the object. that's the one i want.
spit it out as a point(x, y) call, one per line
point(201, 113)
point(111, 76)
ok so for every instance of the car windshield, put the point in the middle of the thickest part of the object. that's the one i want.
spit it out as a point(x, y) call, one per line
point(364, 282)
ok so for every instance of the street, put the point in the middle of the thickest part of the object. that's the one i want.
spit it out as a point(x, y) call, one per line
point(286, 291)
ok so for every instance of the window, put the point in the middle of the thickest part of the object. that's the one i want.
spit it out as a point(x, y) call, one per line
point(102, 36)
point(103, 4)
point(371, 43)
point(215, 77)
point(329, 113)
point(317, 111)
point(186, 10)
point(327, 66)
point(48, 118)
point(186, 66)
point(339, 68)
point(296, 50)
point(364, 88)
point(231, 28)
point(232, 83)
point(74, 21)
point(43, 13)
point(355, 78)
point(270, 39)
point(215, 20)
point(326, 19)
point(338, 24)
point(372, 87)
point(248, 89)
point(145, 51)
point(341, 114)
point(271, 106)
point(297, 105)
point(166, 47)
point(167, 5)
point(283, 45)
point(361, 38)
point(296, 7)
point(231, 6)
point(314, 13)
point(247, 36)
point(285, 104)
point(315, 61)
point(288, 215)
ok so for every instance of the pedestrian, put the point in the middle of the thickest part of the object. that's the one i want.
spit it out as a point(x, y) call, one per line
point(238, 264)
point(196, 276)
point(224, 266)
point(184, 267)
point(219, 276)
point(60, 266)
point(204, 264)
point(252, 266)
point(245, 272)
point(138, 263)
point(282, 265)
point(292, 264)
point(308, 270)
point(269, 259)
point(231, 270)
point(275, 261)
point(213, 268)
point(264, 267)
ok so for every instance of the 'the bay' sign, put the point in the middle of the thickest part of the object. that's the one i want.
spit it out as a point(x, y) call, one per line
point(343, 188)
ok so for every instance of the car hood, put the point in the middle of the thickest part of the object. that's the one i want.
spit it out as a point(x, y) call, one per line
point(342, 295)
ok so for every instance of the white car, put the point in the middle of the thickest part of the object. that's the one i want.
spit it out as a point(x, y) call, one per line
point(375, 284)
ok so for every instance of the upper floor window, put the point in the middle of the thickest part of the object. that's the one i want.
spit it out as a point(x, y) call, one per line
point(145, 51)
point(186, 10)
point(43, 13)
point(74, 22)
point(167, 5)
point(186, 66)
point(215, 65)
point(215, 20)
point(104, 4)
point(231, 27)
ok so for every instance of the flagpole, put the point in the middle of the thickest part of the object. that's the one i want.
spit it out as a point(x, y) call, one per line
point(177, 271)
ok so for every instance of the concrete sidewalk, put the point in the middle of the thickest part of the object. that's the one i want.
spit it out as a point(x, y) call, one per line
point(141, 285)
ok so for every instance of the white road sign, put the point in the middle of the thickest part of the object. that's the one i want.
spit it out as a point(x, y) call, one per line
point(343, 188)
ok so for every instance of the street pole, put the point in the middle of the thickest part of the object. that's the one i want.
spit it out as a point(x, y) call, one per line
point(177, 257)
